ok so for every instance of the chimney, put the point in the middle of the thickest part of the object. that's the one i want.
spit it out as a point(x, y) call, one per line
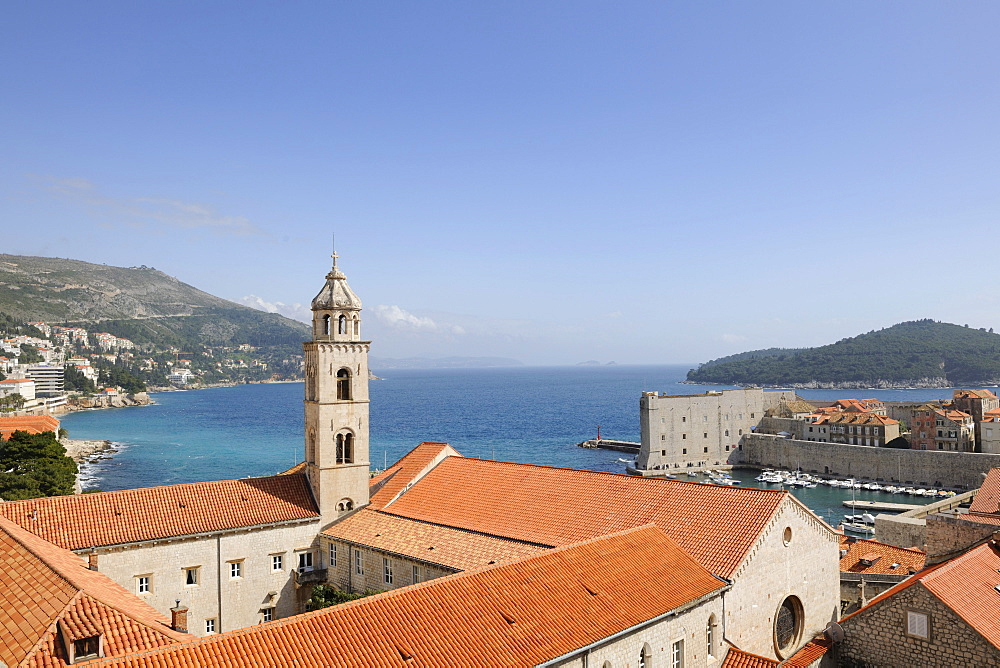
point(179, 618)
point(92, 560)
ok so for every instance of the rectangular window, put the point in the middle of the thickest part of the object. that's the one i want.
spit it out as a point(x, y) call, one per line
point(677, 654)
point(751, 416)
point(277, 562)
point(918, 624)
point(333, 555)
point(143, 584)
point(704, 418)
point(359, 563)
point(684, 437)
point(191, 576)
point(704, 434)
point(267, 614)
point(387, 571)
point(683, 419)
point(706, 450)
point(235, 569)
point(416, 574)
point(663, 437)
point(663, 453)
point(684, 451)
point(209, 626)
point(87, 648)
point(305, 561)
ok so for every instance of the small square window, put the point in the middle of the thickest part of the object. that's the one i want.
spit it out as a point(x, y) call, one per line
point(684, 451)
point(209, 626)
point(684, 437)
point(918, 624)
point(143, 584)
point(235, 569)
point(191, 576)
point(87, 648)
point(305, 561)
point(663, 453)
point(704, 434)
point(277, 562)
point(333, 555)
point(267, 614)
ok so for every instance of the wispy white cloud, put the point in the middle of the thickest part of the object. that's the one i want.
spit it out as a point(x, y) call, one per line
point(140, 212)
point(398, 318)
point(733, 338)
point(294, 311)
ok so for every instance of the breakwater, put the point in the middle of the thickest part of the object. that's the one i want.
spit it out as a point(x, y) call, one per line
point(922, 468)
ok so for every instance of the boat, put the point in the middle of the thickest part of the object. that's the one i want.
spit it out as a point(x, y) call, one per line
point(855, 527)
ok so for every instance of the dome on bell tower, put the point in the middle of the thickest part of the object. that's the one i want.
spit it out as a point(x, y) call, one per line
point(336, 294)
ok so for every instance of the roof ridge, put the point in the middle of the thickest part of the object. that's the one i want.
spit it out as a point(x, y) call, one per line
point(53, 626)
point(510, 539)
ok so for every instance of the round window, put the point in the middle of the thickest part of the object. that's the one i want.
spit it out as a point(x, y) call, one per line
point(787, 625)
point(787, 536)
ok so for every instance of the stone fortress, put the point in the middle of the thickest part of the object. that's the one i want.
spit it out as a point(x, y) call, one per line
point(481, 562)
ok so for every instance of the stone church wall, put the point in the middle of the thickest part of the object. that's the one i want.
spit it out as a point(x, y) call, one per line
point(345, 576)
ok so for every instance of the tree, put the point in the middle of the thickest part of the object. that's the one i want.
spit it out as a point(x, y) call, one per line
point(35, 465)
point(75, 381)
point(29, 354)
point(323, 596)
point(11, 402)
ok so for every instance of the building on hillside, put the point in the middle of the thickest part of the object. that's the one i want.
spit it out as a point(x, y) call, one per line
point(181, 376)
point(856, 428)
point(49, 379)
point(22, 386)
point(33, 424)
point(976, 403)
point(868, 568)
point(551, 566)
point(699, 430)
point(943, 616)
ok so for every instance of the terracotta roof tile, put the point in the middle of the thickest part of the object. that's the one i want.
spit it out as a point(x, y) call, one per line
point(33, 424)
point(909, 560)
point(54, 585)
point(384, 487)
point(988, 497)
point(516, 614)
point(448, 547)
point(555, 506)
point(737, 658)
point(108, 518)
point(812, 651)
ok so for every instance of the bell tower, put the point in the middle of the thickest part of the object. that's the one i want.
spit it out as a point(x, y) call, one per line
point(336, 401)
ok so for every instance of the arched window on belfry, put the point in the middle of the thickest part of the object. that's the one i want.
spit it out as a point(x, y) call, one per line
point(342, 325)
point(345, 448)
point(326, 325)
point(357, 326)
point(343, 385)
point(345, 504)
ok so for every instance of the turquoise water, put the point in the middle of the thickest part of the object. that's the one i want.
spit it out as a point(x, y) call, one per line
point(533, 415)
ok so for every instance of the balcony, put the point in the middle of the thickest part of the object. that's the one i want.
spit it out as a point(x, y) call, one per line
point(313, 576)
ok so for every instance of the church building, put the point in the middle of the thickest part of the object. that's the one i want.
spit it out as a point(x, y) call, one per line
point(480, 561)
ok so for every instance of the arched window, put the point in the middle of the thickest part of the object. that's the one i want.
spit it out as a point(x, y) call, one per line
point(345, 448)
point(710, 635)
point(326, 325)
point(646, 657)
point(344, 385)
point(788, 626)
point(345, 504)
point(357, 326)
point(342, 325)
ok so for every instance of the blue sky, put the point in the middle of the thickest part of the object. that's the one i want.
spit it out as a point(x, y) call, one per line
point(555, 182)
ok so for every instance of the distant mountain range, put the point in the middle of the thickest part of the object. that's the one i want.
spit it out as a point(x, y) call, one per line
point(137, 303)
point(922, 353)
point(380, 363)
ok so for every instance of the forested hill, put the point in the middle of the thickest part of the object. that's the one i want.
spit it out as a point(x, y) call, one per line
point(137, 303)
point(922, 353)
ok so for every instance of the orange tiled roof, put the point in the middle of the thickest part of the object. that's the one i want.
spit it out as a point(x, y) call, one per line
point(555, 506)
point(737, 658)
point(109, 518)
point(988, 497)
point(909, 560)
point(515, 614)
point(965, 584)
point(33, 424)
point(812, 651)
point(42, 585)
point(973, 394)
point(384, 487)
point(952, 414)
point(449, 547)
point(861, 418)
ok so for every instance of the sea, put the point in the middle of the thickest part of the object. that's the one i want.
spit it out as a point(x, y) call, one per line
point(534, 415)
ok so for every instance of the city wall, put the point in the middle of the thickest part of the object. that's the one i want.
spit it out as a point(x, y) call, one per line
point(920, 468)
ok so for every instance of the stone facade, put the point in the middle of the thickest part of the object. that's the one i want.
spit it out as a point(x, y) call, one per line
point(877, 635)
point(686, 632)
point(357, 568)
point(232, 601)
point(776, 569)
point(701, 429)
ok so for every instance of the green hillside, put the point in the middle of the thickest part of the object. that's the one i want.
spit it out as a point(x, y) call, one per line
point(922, 353)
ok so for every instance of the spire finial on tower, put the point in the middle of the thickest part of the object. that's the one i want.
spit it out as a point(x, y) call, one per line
point(333, 247)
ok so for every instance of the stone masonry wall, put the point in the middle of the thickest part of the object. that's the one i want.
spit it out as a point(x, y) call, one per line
point(344, 575)
point(923, 468)
point(877, 636)
point(947, 534)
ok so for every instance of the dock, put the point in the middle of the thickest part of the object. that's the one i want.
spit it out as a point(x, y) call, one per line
point(882, 505)
point(606, 444)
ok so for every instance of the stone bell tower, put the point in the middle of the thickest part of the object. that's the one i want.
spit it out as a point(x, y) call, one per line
point(336, 401)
